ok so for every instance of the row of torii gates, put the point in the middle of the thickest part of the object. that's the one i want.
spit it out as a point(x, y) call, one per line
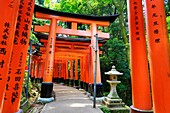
point(62, 54)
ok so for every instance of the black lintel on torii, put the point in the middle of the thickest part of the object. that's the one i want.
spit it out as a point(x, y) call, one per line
point(68, 39)
point(43, 10)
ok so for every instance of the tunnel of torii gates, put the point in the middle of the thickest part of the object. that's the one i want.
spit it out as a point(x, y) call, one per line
point(61, 57)
point(70, 54)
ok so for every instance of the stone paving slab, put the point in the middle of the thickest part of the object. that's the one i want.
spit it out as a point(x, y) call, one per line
point(70, 100)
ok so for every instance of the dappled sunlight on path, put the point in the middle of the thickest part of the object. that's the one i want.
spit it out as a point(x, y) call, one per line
point(70, 100)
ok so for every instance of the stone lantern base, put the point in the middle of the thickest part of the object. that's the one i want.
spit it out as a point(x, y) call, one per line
point(116, 105)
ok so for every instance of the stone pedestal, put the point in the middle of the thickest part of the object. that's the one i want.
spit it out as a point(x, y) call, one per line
point(113, 101)
point(113, 92)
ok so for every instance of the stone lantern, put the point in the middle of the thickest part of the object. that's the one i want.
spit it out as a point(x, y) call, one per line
point(113, 101)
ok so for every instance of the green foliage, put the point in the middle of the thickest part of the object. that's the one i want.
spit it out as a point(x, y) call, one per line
point(168, 24)
point(167, 9)
point(114, 53)
point(105, 110)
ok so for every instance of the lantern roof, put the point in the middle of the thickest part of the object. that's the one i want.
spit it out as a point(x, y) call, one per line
point(113, 71)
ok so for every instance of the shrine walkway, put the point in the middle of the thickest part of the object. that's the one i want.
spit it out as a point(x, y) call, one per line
point(70, 100)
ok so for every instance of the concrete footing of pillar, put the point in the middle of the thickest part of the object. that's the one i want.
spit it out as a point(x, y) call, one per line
point(20, 111)
point(46, 100)
point(135, 110)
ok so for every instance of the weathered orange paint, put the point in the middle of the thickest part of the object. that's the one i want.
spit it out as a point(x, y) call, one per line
point(55, 70)
point(32, 68)
point(18, 58)
point(40, 64)
point(76, 68)
point(8, 12)
point(67, 69)
point(43, 69)
point(64, 70)
point(139, 62)
point(81, 69)
point(36, 69)
point(50, 52)
point(71, 69)
point(74, 25)
point(91, 73)
point(158, 55)
point(87, 69)
point(84, 69)
point(93, 43)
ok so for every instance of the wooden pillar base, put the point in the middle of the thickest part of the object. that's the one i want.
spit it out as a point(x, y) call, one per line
point(67, 82)
point(61, 80)
point(86, 86)
point(55, 80)
point(81, 84)
point(46, 89)
point(71, 83)
point(41, 80)
point(135, 110)
point(76, 85)
point(37, 80)
point(99, 89)
point(32, 79)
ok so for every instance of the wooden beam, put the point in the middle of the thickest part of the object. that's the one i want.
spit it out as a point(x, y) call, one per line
point(69, 19)
point(73, 32)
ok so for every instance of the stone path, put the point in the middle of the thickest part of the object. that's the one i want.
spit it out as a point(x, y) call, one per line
point(70, 100)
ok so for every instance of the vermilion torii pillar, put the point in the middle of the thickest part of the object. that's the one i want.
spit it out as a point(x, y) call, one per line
point(141, 93)
point(47, 85)
point(18, 57)
point(76, 72)
point(8, 17)
point(158, 55)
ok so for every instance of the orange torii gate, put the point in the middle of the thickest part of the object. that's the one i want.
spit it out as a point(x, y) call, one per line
point(71, 56)
point(53, 29)
point(76, 47)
